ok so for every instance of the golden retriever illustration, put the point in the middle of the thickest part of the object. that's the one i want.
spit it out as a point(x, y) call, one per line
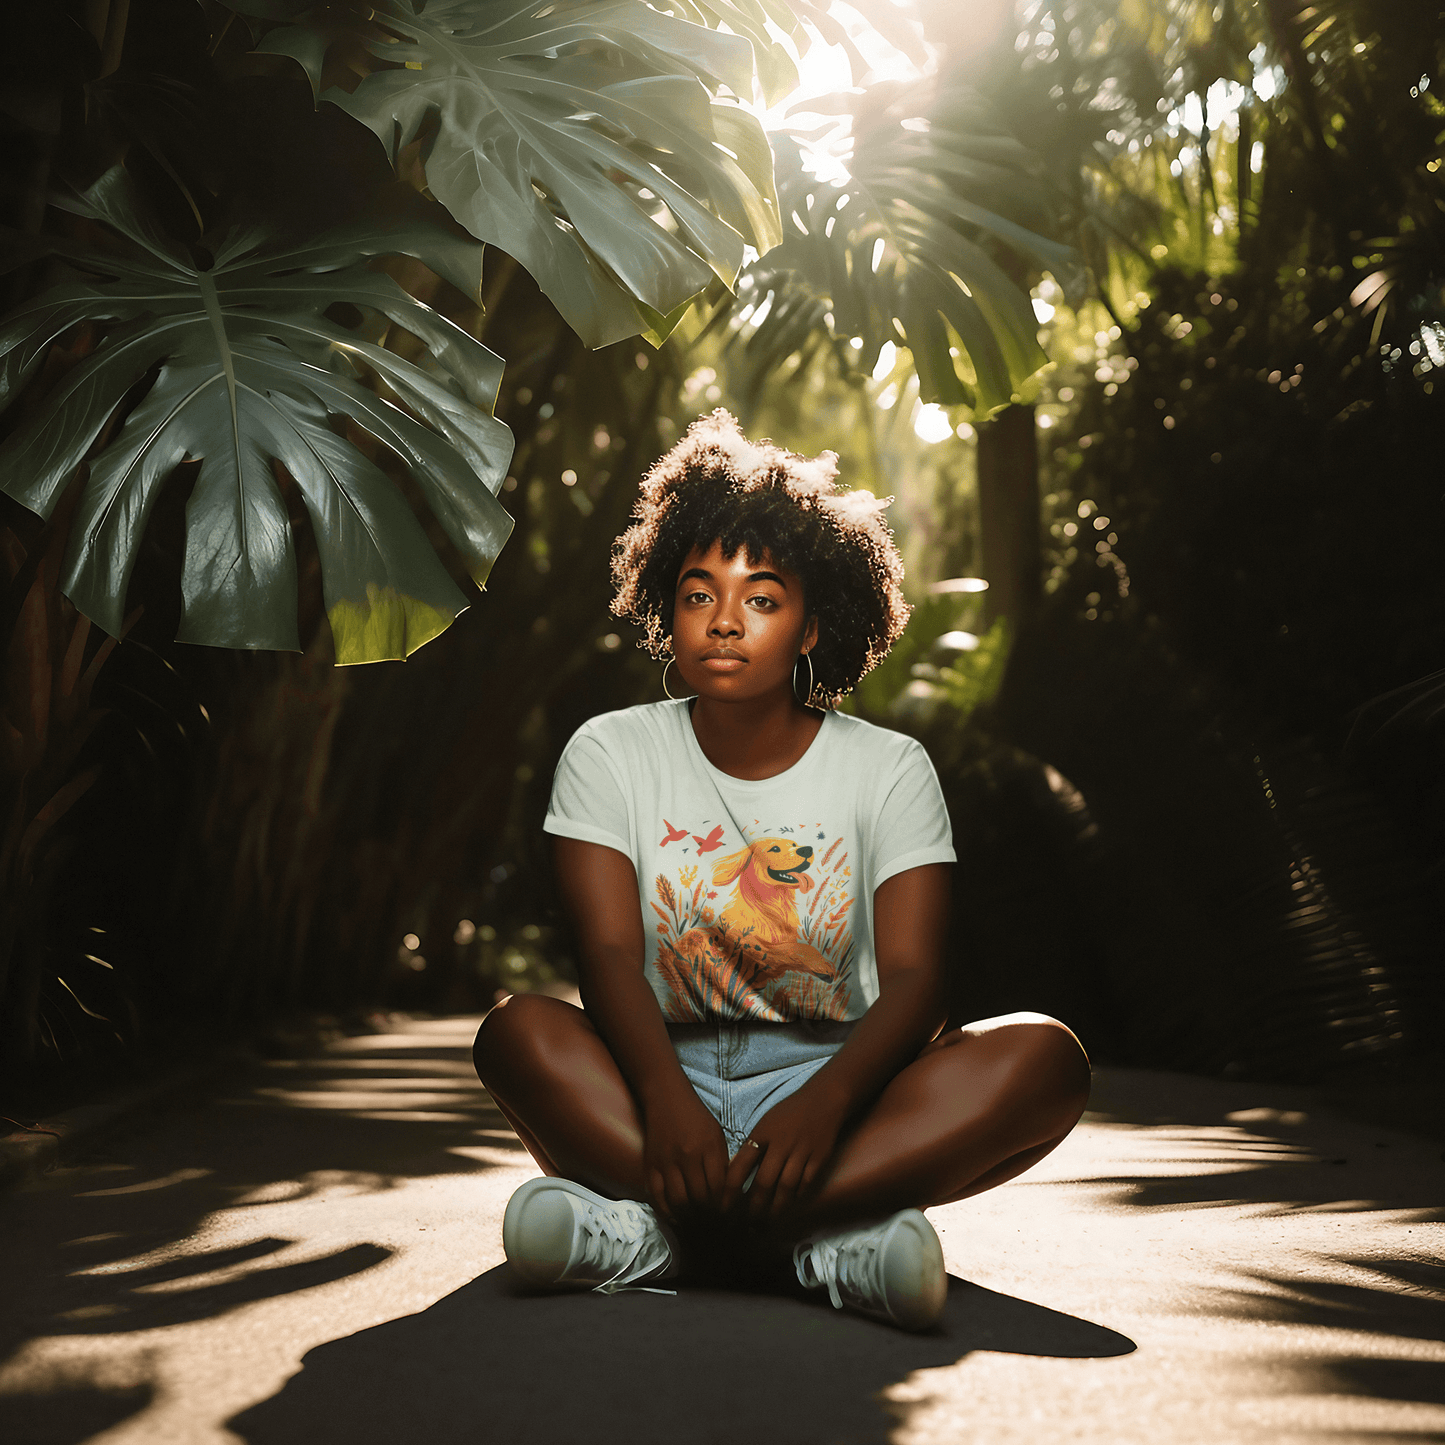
point(757, 932)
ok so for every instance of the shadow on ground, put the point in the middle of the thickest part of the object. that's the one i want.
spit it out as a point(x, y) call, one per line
point(108, 1245)
point(70, 1408)
point(100, 1235)
point(121, 1243)
point(489, 1363)
point(1273, 1145)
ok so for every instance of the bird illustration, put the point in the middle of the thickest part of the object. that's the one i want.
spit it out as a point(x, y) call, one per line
point(673, 834)
point(713, 839)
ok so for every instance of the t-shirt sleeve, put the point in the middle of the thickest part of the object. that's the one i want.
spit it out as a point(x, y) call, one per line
point(912, 825)
point(588, 802)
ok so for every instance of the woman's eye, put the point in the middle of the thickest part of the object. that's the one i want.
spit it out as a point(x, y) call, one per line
point(764, 603)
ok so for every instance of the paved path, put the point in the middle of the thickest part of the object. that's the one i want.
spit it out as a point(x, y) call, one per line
point(315, 1256)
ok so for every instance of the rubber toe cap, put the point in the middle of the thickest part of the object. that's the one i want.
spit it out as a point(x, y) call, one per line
point(915, 1278)
point(537, 1234)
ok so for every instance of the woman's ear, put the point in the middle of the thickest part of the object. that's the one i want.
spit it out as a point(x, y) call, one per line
point(810, 635)
point(726, 870)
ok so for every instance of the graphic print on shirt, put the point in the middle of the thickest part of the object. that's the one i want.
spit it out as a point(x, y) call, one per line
point(759, 931)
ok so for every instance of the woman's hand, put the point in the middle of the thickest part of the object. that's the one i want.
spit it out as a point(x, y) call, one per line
point(796, 1138)
point(684, 1154)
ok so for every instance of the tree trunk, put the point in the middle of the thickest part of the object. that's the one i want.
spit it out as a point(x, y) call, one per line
point(1008, 512)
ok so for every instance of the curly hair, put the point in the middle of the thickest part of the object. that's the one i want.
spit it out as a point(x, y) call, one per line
point(717, 486)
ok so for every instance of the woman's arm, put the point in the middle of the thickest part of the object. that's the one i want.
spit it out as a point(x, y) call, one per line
point(910, 915)
point(910, 918)
point(685, 1151)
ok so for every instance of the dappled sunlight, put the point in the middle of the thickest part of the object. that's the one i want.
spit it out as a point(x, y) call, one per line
point(303, 1180)
point(374, 1083)
point(1272, 1159)
point(1265, 1284)
point(176, 1176)
point(1279, 1266)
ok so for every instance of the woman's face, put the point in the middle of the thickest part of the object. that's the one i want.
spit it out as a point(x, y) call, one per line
point(738, 625)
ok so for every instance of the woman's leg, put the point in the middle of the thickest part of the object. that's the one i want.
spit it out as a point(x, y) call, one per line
point(978, 1106)
point(549, 1072)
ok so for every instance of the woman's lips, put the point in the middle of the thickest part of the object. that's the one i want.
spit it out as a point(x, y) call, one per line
point(723, 661)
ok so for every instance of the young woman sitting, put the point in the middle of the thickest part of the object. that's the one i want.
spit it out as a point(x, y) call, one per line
point(760, 888)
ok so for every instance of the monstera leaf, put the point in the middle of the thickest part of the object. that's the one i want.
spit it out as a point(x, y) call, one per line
point(248, 372)
point(586, 138)
point(798, 19)
point(899, 250)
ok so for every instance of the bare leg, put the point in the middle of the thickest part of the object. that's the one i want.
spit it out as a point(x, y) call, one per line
point(978, 1106)
point(560, 1088)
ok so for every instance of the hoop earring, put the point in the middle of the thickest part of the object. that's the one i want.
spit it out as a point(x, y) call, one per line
point(665, 666)
point(803, 700)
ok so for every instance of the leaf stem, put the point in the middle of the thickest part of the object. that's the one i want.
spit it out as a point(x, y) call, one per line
point(214, 315)
point(114, 42)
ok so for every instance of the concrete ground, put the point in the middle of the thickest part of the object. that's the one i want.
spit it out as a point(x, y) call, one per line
point(315, 1255)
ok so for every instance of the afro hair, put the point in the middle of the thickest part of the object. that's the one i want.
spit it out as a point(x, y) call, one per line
point(717, 486)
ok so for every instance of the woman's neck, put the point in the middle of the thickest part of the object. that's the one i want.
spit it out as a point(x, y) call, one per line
point(755, 739)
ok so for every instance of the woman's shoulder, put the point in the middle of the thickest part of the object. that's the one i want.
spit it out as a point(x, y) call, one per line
point(648, 725)
point(884, 748)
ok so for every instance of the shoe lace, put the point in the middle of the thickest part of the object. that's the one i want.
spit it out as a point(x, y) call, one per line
point(846, 1264)
point(626, 1241)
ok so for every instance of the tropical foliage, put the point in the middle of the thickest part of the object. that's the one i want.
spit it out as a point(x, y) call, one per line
point(903, 248)
point(247, 379)
point(1237, 472)
point(245, 376)
point(606, 148)
point(1162, 840)
point(589, 141)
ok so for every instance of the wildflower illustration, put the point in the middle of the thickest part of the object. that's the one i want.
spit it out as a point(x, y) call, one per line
point(776, 947)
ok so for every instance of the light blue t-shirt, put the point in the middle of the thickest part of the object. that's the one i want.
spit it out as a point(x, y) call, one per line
point(757, 896)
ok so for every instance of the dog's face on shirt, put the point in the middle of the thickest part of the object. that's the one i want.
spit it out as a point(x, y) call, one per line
point(771, 863)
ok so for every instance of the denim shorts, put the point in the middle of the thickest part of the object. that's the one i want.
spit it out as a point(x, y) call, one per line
point(740, 1070)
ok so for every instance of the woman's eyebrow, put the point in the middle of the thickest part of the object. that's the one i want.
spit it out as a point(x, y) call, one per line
point(703, 575)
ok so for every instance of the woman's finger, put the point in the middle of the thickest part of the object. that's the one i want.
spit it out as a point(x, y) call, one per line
point(715, 1169)
point(742, 1164)
point(657, 1192)
point(787, 1188)
point(760, 1196)
point(811, 1171)
point(695, 1179)
point(676, 1190)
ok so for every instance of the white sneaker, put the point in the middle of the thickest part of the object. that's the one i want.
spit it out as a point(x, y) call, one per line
point(892, 1270)
point(559, 1235)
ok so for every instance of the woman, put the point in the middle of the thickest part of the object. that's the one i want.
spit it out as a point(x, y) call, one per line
point(760, 889)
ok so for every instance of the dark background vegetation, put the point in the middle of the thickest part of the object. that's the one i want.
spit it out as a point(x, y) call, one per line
point(1195, 772)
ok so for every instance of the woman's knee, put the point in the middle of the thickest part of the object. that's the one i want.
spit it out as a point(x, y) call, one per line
point(1043, 1049)
point(513, 1037)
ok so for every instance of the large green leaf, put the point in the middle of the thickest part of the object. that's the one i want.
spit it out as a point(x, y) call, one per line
point(586, 138)
point(248, 371)
point(904, 250)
